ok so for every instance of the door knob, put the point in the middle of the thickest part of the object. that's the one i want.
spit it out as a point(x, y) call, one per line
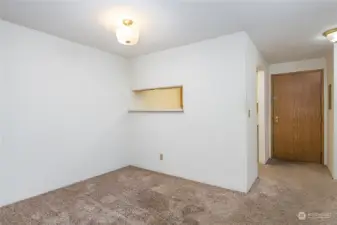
point(276, 119)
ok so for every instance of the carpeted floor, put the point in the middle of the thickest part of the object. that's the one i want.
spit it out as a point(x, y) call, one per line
point(132, 196)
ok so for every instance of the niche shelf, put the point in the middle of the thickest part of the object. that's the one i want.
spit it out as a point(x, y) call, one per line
point(161, 99)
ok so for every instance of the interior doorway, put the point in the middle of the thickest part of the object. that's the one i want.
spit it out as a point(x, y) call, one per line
point(298, 116)
point(262, 119)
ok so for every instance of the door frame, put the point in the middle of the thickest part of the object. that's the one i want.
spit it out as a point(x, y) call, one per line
point(322, 109)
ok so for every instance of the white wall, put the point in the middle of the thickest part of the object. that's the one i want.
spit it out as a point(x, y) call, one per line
point(310, 64)
point(208, 142)
point(334, 154)
point(254, 62)
point(63, 112)
point(330, 80)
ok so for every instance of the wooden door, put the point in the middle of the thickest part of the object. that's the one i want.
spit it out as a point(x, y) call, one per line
point(298, 116)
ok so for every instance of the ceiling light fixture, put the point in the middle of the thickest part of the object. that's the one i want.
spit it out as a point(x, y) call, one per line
point(127, 33)
point(331, 35)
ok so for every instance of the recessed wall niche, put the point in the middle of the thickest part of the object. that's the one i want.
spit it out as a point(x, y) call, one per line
point(161, 99)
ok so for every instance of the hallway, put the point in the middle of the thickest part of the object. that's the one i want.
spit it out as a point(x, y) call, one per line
point(285, 189)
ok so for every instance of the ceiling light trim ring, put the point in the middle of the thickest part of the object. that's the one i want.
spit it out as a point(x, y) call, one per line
point(326, 33)
point(127, 22)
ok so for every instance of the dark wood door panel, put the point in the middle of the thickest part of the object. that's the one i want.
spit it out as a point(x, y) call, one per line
point(297, 116)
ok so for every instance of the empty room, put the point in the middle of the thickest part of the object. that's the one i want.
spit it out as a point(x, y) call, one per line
point(168, 112)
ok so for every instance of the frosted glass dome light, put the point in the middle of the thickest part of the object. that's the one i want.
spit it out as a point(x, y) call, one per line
point(127, 33)
point(331, 35)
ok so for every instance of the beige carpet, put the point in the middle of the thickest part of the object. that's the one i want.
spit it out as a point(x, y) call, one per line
point(134, 196)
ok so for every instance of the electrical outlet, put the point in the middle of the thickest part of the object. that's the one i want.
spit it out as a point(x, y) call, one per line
point(161, 156)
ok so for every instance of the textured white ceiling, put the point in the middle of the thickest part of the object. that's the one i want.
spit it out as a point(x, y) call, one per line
point(282, 30)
